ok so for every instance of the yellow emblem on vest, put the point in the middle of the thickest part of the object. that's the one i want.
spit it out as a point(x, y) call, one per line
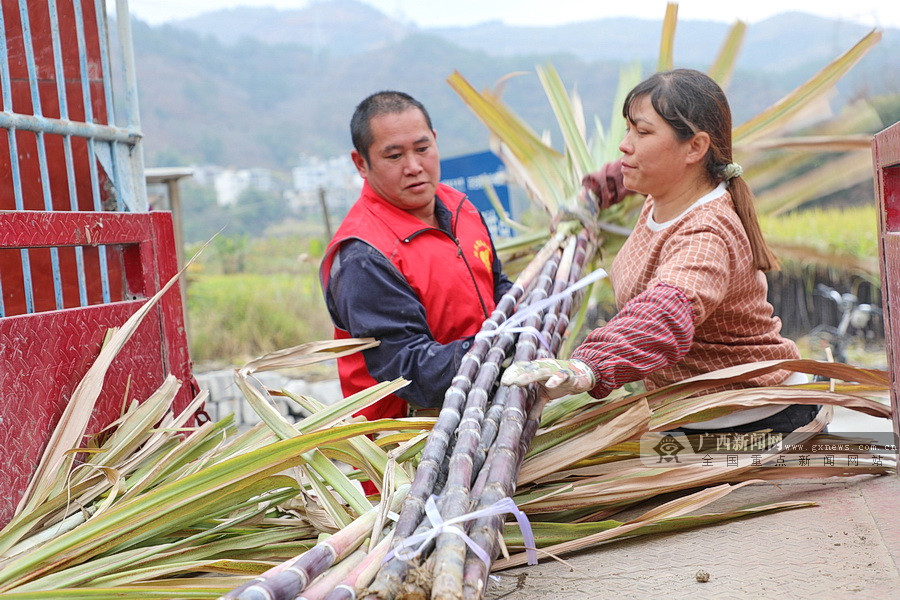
point(482, 251)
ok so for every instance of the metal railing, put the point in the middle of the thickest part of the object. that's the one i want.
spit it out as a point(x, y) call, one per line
point(83, 159)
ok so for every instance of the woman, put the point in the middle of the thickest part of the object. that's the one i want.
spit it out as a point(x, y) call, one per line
point(689, 282)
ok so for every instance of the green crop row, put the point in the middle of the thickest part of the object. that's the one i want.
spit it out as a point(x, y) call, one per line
point(850, 231)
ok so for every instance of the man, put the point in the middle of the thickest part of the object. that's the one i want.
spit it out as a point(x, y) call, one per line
point(412, 264)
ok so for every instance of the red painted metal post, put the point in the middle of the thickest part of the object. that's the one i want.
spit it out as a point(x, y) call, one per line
point(886, 157)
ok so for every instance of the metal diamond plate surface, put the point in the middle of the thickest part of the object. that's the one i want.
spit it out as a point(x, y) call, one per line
point(43, 356)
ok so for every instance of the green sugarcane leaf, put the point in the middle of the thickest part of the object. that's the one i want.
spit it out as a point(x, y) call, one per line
point(783, 110)
point(723, 66)
point(494, 199)
point(667, 38)
point(539, 167)
point(629, 77)
point(190, 499)
point(259, 400)
point(325, 498)
point(570, 123)
point(345, 408)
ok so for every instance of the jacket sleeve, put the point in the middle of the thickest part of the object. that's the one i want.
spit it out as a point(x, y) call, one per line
point(368, 297)
point(653, 330)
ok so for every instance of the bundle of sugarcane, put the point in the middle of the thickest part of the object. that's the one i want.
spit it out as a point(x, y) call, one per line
point(482, 464)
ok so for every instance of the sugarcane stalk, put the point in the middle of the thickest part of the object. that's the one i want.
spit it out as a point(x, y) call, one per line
point(555, 323)
point(332, 577)
point(363, 574)
point(489, 426)
point(450, 415)
point(391, 576)
point(450, 550)
point(287, 580)
point(507, 460)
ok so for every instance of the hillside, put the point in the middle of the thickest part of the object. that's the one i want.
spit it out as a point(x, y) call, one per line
point(258, 87)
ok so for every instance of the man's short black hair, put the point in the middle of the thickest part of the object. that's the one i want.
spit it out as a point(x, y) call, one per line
point(379, 103)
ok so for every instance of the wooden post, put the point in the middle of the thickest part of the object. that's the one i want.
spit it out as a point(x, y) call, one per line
point(886, 158)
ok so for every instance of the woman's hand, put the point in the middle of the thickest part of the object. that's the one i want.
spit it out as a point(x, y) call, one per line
point(559, 377)
point(607, 184)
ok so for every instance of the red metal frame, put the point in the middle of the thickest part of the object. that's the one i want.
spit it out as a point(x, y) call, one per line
point(886, 156)
point(26, 141)
point(44, 355)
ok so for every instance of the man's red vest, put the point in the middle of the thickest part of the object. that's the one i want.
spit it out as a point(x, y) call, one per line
point(449, 275)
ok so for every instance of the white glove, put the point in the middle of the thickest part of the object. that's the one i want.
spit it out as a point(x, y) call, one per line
point(559, 377)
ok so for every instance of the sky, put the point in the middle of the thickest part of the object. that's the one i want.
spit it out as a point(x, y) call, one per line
point(445, 13)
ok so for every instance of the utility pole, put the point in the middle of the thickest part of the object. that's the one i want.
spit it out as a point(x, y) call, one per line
point(325, 218)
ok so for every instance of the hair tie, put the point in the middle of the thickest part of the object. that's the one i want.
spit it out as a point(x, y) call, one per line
point(731, 170)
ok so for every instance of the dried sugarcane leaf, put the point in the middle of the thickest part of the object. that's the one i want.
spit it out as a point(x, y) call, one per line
point(308, 353)
point(73, 422)
point(702, 408)
point(625, 426)
point(566, 532)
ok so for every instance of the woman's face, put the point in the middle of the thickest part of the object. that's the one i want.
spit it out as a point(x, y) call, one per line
point(655, 160)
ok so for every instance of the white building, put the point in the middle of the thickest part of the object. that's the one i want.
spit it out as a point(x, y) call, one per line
point(230, 183)
point(337, 177)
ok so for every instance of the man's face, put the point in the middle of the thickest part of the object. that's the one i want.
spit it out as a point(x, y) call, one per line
point(404, 166)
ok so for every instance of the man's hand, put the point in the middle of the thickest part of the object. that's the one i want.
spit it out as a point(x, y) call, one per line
point(607, 183)
point(559, 377)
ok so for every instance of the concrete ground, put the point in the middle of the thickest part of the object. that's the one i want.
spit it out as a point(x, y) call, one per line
point(848, 546)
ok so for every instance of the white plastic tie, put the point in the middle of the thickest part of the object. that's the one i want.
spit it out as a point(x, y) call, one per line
point(512, 325)
point(413, 546)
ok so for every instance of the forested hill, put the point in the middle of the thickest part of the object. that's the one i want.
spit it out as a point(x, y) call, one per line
point(259, 87)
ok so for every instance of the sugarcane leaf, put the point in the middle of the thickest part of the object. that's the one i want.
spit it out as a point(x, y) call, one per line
point(308, 353)
point(325, 499)
point(74, 420)
point(557, 534)
point(259, 400)
point(632, 422)
point(671, 509)
point(608, 149)
point(540, 168)
point(829, 258)
point(131, 431)
point(494, 199)
point(702, 408)
point(187, 451)
point(814, 143)
point(345, 408)
point(570, 123)
point(190, 498)
point(740, 373)
point(838, 174)
point(667, 38)
point(723, 66)
point(136, 592)
point(783, 110)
